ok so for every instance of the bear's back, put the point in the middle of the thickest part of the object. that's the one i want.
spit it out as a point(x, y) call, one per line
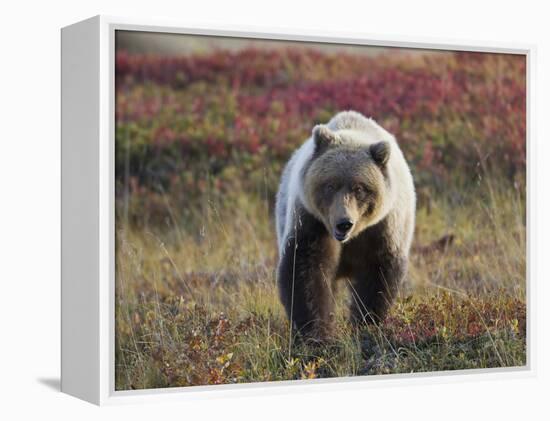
point(355, 122)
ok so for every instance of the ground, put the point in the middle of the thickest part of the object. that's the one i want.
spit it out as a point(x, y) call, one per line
point(202, 307)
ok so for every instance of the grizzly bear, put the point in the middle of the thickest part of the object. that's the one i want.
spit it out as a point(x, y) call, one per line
point(345, 210)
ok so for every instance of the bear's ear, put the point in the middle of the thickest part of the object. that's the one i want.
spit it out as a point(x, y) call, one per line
point(380, 152)
point(323, 137)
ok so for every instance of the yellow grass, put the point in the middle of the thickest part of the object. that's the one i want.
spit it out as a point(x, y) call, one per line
point(197, 303)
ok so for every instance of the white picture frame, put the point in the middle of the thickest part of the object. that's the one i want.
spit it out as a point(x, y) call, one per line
point(88, 270)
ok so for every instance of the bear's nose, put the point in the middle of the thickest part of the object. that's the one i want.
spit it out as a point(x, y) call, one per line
point(344, 225)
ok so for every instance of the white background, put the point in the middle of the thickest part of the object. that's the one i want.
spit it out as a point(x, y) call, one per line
point(30, 196)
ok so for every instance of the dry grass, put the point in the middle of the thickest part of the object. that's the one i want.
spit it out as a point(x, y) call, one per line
point(196, 300)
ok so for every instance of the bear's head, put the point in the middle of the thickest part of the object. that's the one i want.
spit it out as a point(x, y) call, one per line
point(346, 184)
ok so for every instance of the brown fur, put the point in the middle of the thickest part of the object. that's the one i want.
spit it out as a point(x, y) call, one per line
point(343, 181)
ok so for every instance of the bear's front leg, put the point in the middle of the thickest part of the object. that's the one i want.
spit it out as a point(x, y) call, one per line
point(374, 288)
point(305, 276)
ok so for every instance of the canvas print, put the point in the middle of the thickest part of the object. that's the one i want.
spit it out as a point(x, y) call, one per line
point(298, 210)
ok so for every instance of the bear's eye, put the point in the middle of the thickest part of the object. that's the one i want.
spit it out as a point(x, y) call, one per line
point(329, 188)
point(359, 190)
